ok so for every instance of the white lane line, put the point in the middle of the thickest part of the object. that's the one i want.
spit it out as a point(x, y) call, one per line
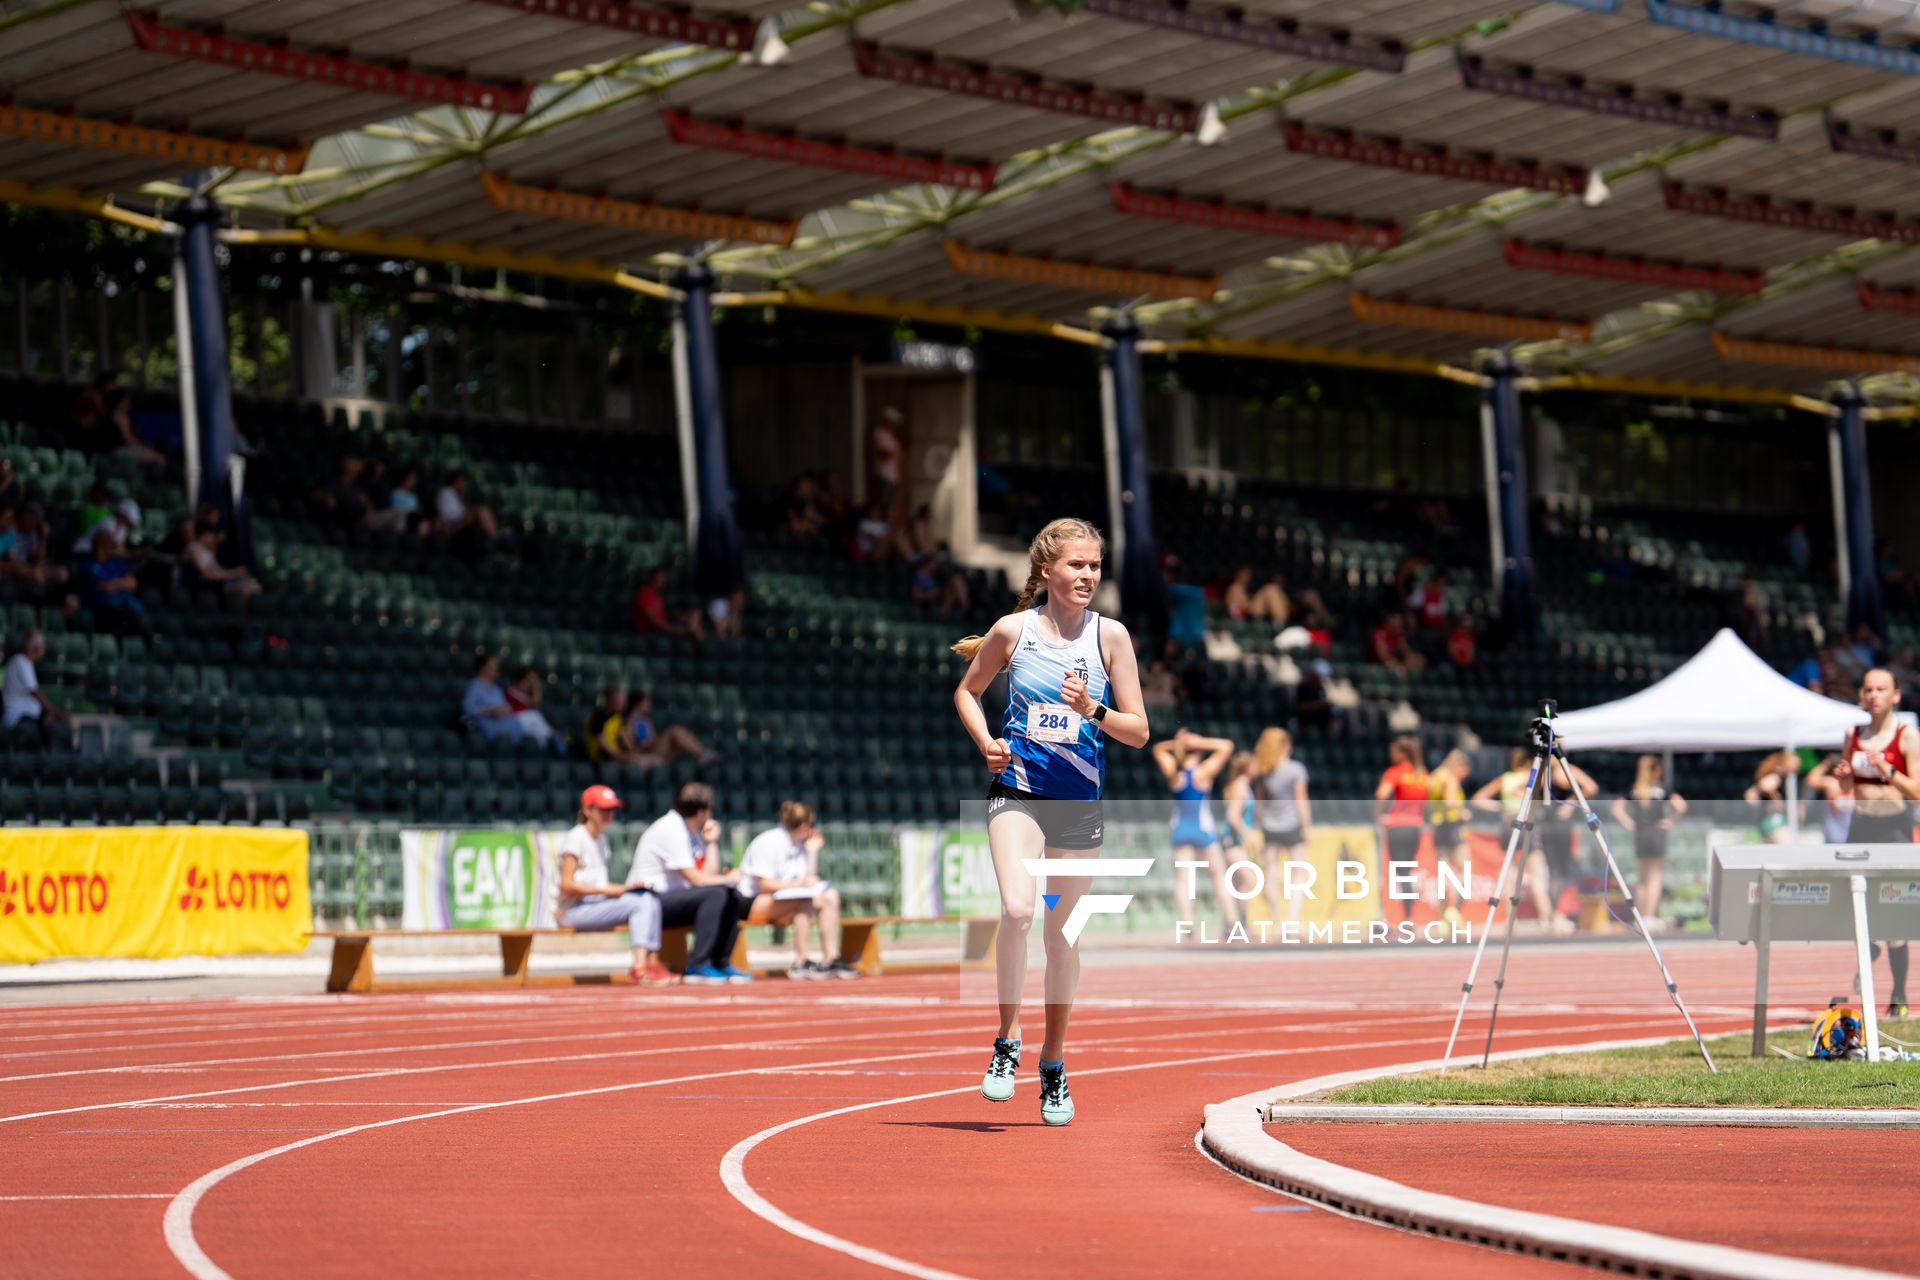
point(177, 1225)
point(733, 1164)
point(738, 1046)
point(648, 1031)
point(106, 1195)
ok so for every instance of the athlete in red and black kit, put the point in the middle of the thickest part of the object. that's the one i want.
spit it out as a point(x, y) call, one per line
point(1880, 765)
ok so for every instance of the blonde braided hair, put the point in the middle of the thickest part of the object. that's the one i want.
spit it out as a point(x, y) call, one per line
point(1047, 547)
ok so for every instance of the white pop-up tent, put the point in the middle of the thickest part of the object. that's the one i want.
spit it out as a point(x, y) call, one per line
point(1724, 698)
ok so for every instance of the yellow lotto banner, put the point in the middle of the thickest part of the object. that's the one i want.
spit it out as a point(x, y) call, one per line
point(151, 892)
point(1327, 847)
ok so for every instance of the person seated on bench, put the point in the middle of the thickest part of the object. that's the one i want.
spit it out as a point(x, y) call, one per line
point(780, 878)
point(588, 902)
point(678, 860)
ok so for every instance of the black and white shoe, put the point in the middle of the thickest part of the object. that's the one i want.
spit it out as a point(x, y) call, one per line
point(839, 969)
point(805, 971)
point(998, 1084)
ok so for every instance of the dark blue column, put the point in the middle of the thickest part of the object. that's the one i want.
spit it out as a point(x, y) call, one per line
point(207, 330)
point(716, 542)
point(1518, 594)
point(1863, 603)
point(1143, 594)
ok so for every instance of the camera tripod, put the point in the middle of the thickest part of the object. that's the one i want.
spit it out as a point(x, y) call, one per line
point(1547, 751)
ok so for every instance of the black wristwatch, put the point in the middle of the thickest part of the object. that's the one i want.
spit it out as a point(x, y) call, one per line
point(1099, 712)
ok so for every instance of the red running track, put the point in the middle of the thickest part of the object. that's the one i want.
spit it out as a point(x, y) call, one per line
point(1834, 1196)
point(814, 1128)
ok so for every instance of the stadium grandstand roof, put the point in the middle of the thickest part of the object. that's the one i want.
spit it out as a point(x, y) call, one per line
point(1640, 194)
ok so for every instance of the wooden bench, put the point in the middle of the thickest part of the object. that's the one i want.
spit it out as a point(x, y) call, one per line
point(352, 966)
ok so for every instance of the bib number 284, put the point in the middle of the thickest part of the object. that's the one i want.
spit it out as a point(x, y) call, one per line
point(1052, 722)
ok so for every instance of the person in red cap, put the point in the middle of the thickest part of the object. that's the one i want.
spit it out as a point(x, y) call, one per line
point(589, 902)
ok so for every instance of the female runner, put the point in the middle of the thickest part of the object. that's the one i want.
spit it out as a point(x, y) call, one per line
point(1648, 811)
point(1882, 764)
point(1071, 683)
point(1190, 764)
point(1286, 815)
point(1401, 801)
point(1447, 813)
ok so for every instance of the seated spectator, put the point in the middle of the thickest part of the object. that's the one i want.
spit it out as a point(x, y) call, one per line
point(25, 563)
point(828, 499)
point(1186, 607)
point(1799, 547)
point(1895, 581)
point(917, 539)
point(939, 584)
point(1312, 705)
point(402, 509)
point(780, 879)
point(803, 513)
point(523, 699)
point(471, 526)
point(1461, 645)
point(604, 727)
point(678, 861)
point(1864, 648)
point(588, 902)
point(649, 613)
point(1161, 688)
point(873, 536)
point(109, 589)
point(724, 612)
point(203, 562)
point(1388, 647)
point(484, 705)
point(345, 501)
point(643, 744)
point(22, 699)
point(95, 511)
point(101, 421)
point(121, 522)
point(1751, 606)
point(1268, 603)
point(1428, 603)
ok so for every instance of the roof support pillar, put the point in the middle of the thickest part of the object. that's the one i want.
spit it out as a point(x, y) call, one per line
point(1129, 505)
point(205, 337)
point(713, 540)
point(1853, 514)
point(1506, 463)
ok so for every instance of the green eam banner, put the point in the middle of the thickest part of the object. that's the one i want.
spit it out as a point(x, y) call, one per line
point(968, 886)
point(478, 879)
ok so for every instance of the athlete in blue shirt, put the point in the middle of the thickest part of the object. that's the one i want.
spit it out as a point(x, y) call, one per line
point(1071, 683)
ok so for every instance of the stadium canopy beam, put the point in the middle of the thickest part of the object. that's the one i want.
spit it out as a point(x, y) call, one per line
point(1853, 513)
point(1129, 499)
point(1031, 172)
point(1500, 426)
point(1650, 322)
point(713, 539)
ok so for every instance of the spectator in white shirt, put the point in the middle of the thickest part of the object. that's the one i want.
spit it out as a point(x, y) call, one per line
point(471, 527)
point(780, 877)
point(679, 861)
point(22, 699)
point(588, 899)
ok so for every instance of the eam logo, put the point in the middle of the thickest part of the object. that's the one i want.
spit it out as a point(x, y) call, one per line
point(1088, 905)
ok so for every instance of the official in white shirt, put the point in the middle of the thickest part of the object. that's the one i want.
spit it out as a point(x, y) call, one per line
point(678, 860)
point(780, 877)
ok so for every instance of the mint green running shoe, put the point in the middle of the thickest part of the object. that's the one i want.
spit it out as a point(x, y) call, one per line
point(998, 1085)
point(1056, 1104)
